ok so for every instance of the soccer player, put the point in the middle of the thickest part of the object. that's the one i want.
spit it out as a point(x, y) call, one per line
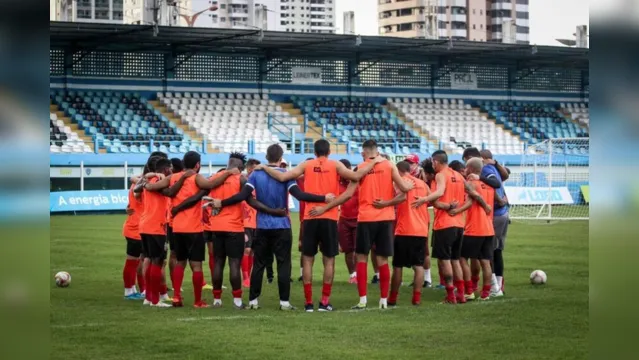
point(347, 225)
point(321, 176)
point(228, 231)
point(478, 232)
point(134, 255)
point(274, 237)
point(250, 224)
point(447, 229)
point(187, 223)
point(375, 226)
point(300, 184)
point(411, 234)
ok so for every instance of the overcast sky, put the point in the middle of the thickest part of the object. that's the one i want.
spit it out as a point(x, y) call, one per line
point(549, 19)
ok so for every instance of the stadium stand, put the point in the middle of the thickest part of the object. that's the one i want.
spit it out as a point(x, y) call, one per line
point(455, 126)
point(64, 140)
point(578, 112)
point(228, 120)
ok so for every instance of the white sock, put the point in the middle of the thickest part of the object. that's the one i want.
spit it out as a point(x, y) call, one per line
point(285, 303)
point(217, 301)
point(498, 279)
point(363, 300)
point(301, 271)
point(427, 276)
point(237, 301)
point(353, 275)
point(493, 283)
point(129, 291)
point(253, 302)
point(383, 301)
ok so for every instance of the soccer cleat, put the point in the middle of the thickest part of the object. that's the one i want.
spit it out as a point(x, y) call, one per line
point(392, 305)
point(470, 296)
point(352, 280)
point(375, 279)
point(288, 307)
point(308, 308)
point(360, 306)
point(165, 297)
point(426, 284)
point(324, 308)
point(440, 287)
point(461, 299)
point(482, 298)
point(177, 302)
point(383, 305)
point(450, 301)
point(240, 307)
point(217, 304)
point(134, 296)
point(253, 307)
point(146, 302)
point(496, 293)
point(207, 287)
point(201, 305)
point(161, 304)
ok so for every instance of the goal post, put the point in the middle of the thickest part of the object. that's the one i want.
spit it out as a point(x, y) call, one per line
point(551, 182)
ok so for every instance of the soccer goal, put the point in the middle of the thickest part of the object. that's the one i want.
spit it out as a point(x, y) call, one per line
point(552, 181)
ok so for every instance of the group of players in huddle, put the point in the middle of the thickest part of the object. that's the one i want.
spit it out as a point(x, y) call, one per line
point(378, 208)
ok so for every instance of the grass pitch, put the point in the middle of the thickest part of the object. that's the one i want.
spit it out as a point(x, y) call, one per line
point(91, 320)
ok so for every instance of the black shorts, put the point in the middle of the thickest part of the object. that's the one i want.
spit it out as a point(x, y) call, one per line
point(154, 246)
point(249, 235)
point(133, 247)
point(209, 236)
point(229, 244)
point(169, 237)
point(378, 234)
point(320, 233)
point(447, 243)
point(409, 251)
point(189, 246)
point(477, 247)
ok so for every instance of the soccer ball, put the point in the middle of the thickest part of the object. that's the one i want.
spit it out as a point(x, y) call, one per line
point(62, 279)
point(538, 277)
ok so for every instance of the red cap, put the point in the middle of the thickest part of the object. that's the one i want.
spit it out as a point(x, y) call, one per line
point(412, 158)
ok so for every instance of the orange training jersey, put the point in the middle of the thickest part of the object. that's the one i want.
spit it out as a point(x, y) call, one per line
point(207, 218)
point(189, 220)
point(250, 215)
point(131, 228)
point(153, 217)
point(377, 184)
point(454, 192)
point(477, 222)
point(413, 221)
point(320, 178)
point(230, 218)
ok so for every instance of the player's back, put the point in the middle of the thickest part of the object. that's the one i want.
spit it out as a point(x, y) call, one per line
point(413, 221)
point(230, 218)
point(376, 185)
point(153, 217)
point(188, 220)
point(478, 223)
point(350, 209)
point(320, 178)
point(454, 192)
point(273, 194)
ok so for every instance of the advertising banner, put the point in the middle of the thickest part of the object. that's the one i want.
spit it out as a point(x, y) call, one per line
point(466, 81)
point(538, 195)
point(306, 75)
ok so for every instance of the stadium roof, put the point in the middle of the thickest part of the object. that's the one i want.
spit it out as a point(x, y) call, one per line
point(271, 44)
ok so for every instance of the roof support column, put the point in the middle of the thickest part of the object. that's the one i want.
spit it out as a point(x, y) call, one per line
point(263, 71)
point(353, 75)
point(169, 69)
point(68, 66)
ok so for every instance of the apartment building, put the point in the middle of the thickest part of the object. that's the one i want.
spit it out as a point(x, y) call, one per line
point(476, 20)
point(99, 11)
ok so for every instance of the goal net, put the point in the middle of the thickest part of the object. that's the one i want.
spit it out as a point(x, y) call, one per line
point(552, 181)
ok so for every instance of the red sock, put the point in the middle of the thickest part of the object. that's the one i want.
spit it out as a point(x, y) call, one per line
point(147, 280)
point(459, 284)
point(237, 294)
point(308, 293)
point(198, 282)
point(485, 291)
point(475, 281)
point(245, 266)
point(156, 282)
point(178, 277)
point(128, 273)
point(384, 281)
point(392, 299)
point(163, 289)
point(417, 297)
point(141, 282)
point(362, 278)
point(217, 294)
point(326, 293)
point(450, 292)
point(468, 286)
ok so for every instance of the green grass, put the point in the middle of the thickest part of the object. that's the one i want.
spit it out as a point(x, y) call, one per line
point(90, 320)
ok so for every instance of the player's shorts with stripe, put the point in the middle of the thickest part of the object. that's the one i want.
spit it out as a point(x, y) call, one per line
point(189, 246)
point(320, 233)
point(500, 224)
point(347, 233)
point(447, 243)
point(409, 251)
point(249, 236)
point(229, 244)
point(154, 246)
point(133, 247)
point(379, 234)
point(477, 247)
point(169, 237)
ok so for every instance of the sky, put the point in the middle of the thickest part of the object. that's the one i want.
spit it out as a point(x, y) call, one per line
point(549, 19)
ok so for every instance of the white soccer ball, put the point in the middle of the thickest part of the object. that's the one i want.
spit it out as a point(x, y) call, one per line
point(538, 277)
point(62, 279)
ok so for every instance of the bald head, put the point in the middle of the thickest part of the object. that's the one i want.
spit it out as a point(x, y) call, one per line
point(486, 154)
point(474, 165)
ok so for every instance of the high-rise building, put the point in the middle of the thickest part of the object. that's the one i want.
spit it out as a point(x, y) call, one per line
point(476, 20)
point(309, 16)
point(349, 22)
point(100, 11)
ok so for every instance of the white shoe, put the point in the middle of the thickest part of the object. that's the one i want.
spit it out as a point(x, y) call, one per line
point(496, 293)
point(146, 302)
point(383, 304)
point(162, 305)
point(165, 297)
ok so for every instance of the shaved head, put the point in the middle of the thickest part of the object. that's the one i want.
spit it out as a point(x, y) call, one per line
point(486, 154)
point(474, 165)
